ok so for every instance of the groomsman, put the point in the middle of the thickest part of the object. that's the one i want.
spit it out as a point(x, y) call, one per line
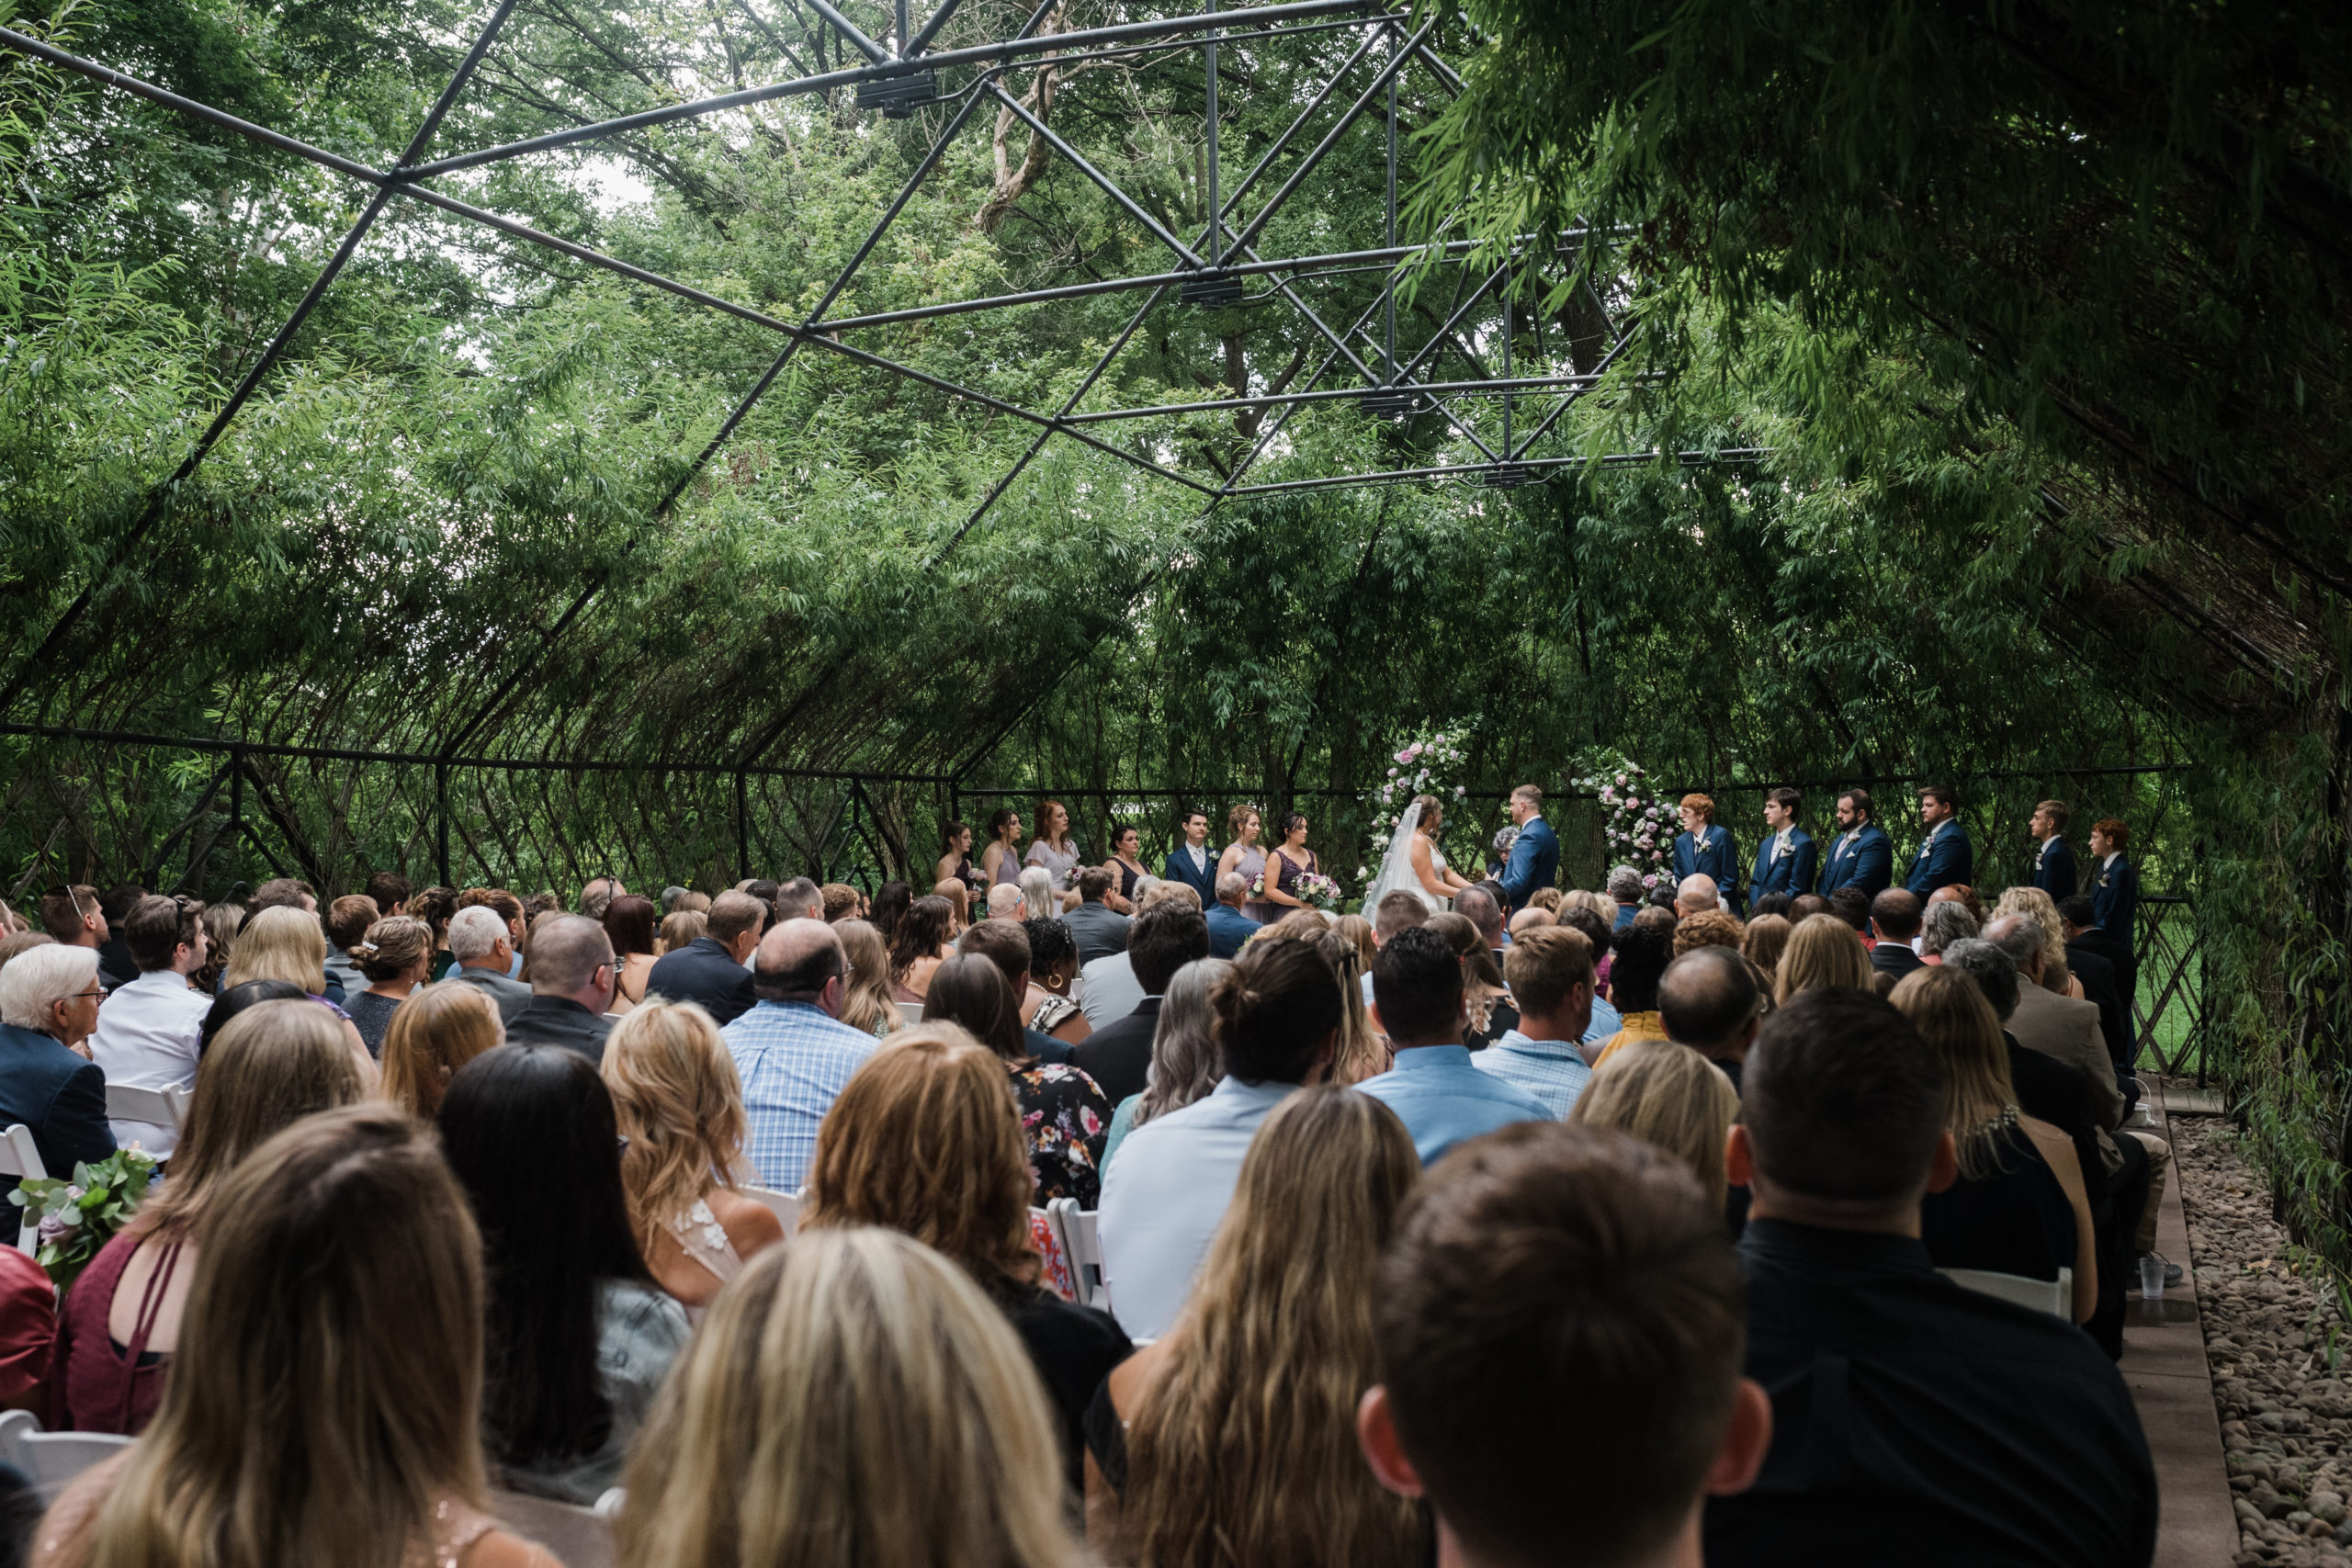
point(1784, 861)
point(1191, 863)
point(1945, 858)
point(2054, 866)
point(1705, 848)
point(2115, 897)
point(1861, 855)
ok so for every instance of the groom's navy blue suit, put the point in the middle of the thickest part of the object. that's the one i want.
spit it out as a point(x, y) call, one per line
point(1534, 863)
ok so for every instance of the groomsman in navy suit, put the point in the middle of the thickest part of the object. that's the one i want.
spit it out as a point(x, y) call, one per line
point(1192, 863)
point(2115, 897)
point(2054, 864)
point(1705, 848)
point(1945, 858)
point(1861, 855)
point(1784, 860)
point(1534, 855)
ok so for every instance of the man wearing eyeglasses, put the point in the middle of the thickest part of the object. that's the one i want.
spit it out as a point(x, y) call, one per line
point(573, 974)
point(48, 1004)
point(151, 1029)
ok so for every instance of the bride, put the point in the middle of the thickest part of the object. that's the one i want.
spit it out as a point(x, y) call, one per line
point(1415, 864)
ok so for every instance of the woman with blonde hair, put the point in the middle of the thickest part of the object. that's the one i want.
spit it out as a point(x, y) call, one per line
point(1764, 941)
point(395, 956)
point(326, 1413)
point(1359, 935)
point(119, 1332)
point(440, 1029)
point(1669, 1095)
point(867, 1005)
point(2019, 1205)
point(922, 1141)
point(2035, 903)
point(1364, 1050)
point(854, 1398)
point(680, 1109)
point(1232, 1438)
point(1822, 954)
point(1247, 856)
point(681, 927)
point(285, 943)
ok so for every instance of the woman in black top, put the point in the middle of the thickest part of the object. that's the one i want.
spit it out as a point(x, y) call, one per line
point(925, 1140)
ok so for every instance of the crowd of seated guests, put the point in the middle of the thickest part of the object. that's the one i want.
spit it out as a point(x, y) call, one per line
point(1598, 1229)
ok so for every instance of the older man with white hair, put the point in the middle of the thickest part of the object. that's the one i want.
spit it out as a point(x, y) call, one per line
point(1005, 902)
point(484, 945)
point(1695, 895)
point(49, 1003)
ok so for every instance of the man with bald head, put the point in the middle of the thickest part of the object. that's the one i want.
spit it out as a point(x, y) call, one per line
point(791, 1051)
point(572, 976)
point(1696, 894)
point(1707, 999)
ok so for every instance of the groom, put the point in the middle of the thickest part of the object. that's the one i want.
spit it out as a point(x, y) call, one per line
point(1535, 854)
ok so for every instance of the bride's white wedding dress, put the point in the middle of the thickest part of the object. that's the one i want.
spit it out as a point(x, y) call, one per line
point(1396, 869)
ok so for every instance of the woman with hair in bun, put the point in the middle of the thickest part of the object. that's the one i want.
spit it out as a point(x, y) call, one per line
point(396, 955)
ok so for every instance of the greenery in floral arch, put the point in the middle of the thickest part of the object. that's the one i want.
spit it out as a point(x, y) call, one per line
point(1422, 766)
point(1639, 828)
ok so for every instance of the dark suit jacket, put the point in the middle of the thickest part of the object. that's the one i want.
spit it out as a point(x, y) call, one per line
point(1118, 1055)
point(1179, 868)
point(2054, 873)
point(509, 995)
point(1791, 874)
point(702, 971)
point(1713, 854)
point(1949, 859)
point(559, 1021)
point(2100, 985)
point(1100, 931)
point(1896, 958)
point(1228, 928)
point(1869, 864)
point(1534, 863)
point(60, 1096)
point(2115, 904)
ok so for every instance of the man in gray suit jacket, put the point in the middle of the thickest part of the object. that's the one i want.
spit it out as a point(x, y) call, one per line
point(479, 941)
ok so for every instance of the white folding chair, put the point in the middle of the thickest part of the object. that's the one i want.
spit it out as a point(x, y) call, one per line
point(49, 1459)
point(579, 1538)
point(785, 1205)
point(165, 1106)
point(1083, 1246)
point(20, 1158)
point(2054, 1296)
point(910, 1011)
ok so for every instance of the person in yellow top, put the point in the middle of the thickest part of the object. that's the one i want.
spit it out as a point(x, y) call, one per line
point(1642, 953)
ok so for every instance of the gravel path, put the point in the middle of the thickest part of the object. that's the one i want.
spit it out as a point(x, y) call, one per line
point(2280, 1356)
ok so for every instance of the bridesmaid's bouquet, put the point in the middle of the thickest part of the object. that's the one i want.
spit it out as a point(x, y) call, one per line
point(1317, 891)
point(79, 1217)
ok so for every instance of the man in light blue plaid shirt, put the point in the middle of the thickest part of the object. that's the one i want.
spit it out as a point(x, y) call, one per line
point(1550, 971)
point(792, 1055)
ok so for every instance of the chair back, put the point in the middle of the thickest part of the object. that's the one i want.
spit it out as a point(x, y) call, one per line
point(1046, 1235)
point(165, 1106)
point(2054, 1296)
point(577, 1536)
point(20, 1158)
point(50, 1460)
point(1082, 1244)
point(910, 1011)
point(785, 1206)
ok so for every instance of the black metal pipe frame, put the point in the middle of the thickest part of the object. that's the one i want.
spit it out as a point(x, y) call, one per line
point(1456, 470)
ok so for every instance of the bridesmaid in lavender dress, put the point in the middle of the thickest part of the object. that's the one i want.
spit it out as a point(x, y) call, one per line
point(1000, 862)
point(1244, 856)
point(1055, 849)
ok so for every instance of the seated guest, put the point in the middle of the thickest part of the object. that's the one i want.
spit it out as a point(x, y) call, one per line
point(709, 971)
point(234, 999)
point(1626, 891)
point(1599, 937)
point(1940, 925)
point(1038, 899)
point(1765, 940)
point(921, 946)
point(572, 974)
point(1064, 1115)
point(285, 942)
point(1278, 1015)
point(1636, 963)
point(628, 923)
point(1533, 918)
point(1184, 1062)
point(1547, 1285)
point(1005, 903)
point(1772, 904)
point(435, 1032)
point(1708, 928)
point(1108, 988)
point(679, 1110)
point(1708, 1001)
point(115, 966)
point(959, 906)
point(1229, 927)
point(2035, 905)
point(1486, 1000)
point(1887, 1426)
point(394, 957)
point(1895, 913)
point(935, 1101)
point(1441, 1097)
point(49, 1000)
point(274, 1065)
point(1666, 1095)
point(1696, 895)
point(27, 1331)
point(1823, 953)
point(841, 902)
point(890, 901)
point(1230, 1439)
point(1099, 929)
point(1363, 1051)
point(799, 900)
point(867, 1005)
point(326, 1413)
point(1164, 938)
point(793, 1055)
point(679, 928)
point(854, 1399)
point(483, 946)
point(1551, 978)
point(579, 1336)
point(1053, 976)
point(1478, 904)
point(2018, 1205)
point(596, 896)
point(148, 1031)
point(1809, 904)
point(348, 921)
point(1851, 905)
point(1006, 945)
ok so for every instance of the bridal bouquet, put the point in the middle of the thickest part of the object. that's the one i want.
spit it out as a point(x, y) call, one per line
point(1316, 891)
point(1640, 830)
point(80, 1217)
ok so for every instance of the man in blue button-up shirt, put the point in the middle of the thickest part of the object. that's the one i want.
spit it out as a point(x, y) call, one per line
point(1442, 1097)
point(794, 1057)
point(1550, 972)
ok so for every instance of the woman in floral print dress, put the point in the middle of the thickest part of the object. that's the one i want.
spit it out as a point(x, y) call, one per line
point(1064, 1116)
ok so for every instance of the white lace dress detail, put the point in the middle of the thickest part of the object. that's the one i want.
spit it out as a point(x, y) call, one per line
point(703, 1239)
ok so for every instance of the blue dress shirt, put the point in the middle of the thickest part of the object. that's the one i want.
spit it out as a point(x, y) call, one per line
point(1161, 1205)
point(1443, 1099)
point(1606, 1021)
point(795, 1060)
point(1551, 1070)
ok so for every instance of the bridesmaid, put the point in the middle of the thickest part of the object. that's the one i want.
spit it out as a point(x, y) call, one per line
point(957, 861)
point(1126, 864)
point(1053, 850)
point(1291, 859)
point(1243, 855)
point(1000, 862)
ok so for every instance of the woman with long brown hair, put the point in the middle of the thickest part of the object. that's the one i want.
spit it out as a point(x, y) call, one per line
point(327, 1413)
point(680, 1109)
point(1232, 1439)
point(867, 1004)
point(1065, 1116)
point(117, 1338)
point(922, 1141)
point(435, 1032)
point(630, 923)
point(1054, 850)
point(919, 945)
